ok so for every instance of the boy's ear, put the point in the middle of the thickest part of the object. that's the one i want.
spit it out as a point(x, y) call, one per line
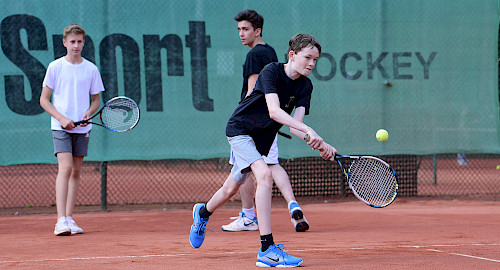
point(291, 54)
point(258, 31)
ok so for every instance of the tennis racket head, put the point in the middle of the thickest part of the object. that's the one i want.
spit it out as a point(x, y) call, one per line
point(373, 181)
point(120, 114)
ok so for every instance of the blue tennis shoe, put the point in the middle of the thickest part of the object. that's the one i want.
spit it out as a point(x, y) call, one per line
point(197, 234)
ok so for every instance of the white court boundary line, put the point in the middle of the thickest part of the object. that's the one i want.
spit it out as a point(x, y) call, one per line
point(431, 248)
point(459, 254)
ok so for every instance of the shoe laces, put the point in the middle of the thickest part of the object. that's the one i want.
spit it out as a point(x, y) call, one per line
point(201, 226)
point(242, 218)
point(241, 215)
point(279, 250)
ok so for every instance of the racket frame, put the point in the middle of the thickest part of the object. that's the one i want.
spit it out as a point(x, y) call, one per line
point(347, 175)
point(100, 115)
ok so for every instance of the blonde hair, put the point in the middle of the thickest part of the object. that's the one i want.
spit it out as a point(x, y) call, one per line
point(73, 29)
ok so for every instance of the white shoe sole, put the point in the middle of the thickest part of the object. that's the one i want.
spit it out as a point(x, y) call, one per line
point(261, 264)
point(63, 233)
point(240, 230)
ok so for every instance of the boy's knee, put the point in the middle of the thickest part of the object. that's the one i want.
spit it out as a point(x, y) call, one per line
point(231, 191)
point(65, 169)
point(230, 188)
point(264, 177)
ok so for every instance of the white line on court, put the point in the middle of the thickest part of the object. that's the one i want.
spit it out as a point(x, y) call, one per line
point(98, 258)
point(427, 247)
point(476, 257)
point(459, 254)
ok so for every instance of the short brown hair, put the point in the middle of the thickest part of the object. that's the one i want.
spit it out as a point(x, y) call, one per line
point(251, 16)
point(73, 29)
point(301, 41)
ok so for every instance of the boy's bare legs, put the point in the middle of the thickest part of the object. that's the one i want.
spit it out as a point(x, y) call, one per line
point(202, 212)
point(65, 168)
point(64, 173)
point(226, 192)
point(269, 254)
point(67, 184)
point(282, 180)
point(246, 219)
point(247, 192)
point(73, 185)
point(263, 195)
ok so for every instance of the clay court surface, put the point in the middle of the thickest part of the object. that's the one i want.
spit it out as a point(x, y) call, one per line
point(409, 234)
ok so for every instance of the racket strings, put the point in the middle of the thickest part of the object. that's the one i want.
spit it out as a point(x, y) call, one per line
point(373, 181)
point(120, 114)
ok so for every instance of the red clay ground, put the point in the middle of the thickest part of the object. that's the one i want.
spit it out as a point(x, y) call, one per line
point(409, 234)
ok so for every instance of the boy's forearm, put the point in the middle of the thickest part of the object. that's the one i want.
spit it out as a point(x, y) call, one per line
point(297, 133)
point(94, 104)
point(296, 126)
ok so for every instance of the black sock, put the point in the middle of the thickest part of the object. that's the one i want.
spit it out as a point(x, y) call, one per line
point(266, 241)
point(204, 212)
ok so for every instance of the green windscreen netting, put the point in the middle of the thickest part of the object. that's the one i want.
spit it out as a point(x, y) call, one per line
point(424, 70)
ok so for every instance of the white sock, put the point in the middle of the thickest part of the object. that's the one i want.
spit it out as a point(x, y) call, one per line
point(249, 213)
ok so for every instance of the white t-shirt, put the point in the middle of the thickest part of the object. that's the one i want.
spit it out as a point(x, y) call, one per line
point(71, 87)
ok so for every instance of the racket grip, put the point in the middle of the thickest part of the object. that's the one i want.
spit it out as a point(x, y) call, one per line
point(284, 135)
point(307, 139)
point(80, 122)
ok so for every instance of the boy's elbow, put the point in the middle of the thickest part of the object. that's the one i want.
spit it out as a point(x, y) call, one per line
point(273, 114)
point(42, 100)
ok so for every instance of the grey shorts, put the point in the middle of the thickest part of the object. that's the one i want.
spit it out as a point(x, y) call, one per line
point(270, 159)
point(74, 143)
point(244, 153)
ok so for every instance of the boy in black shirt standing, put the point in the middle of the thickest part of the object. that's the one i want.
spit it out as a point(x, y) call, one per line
point(250, 25)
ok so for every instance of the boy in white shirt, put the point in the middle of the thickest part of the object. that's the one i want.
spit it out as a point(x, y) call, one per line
point(70, 80)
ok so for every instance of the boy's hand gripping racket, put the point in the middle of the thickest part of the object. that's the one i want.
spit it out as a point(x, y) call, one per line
point(371, 179)
point(119, 114)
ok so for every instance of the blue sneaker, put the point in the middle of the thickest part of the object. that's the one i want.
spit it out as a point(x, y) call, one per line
point(197, 234)
point(299, 221)
point(274, 256)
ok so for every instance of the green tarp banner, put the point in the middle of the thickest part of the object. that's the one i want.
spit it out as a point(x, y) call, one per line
point(427, 71)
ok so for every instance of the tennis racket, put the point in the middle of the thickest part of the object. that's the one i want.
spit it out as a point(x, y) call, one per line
point(119, 114)
point(284, 135)
point(371, 179)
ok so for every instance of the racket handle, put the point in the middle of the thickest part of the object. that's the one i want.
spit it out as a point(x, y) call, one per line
point(284, 135)
point(80, 122)
point(307, 139)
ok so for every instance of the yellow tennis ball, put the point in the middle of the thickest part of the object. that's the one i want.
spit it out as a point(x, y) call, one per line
point(382, 135)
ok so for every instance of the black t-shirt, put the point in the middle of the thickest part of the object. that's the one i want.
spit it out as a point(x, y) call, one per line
point(257, 58)
point(251, 117)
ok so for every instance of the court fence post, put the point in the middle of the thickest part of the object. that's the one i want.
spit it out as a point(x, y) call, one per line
point(104, 186)
point(434, 165)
